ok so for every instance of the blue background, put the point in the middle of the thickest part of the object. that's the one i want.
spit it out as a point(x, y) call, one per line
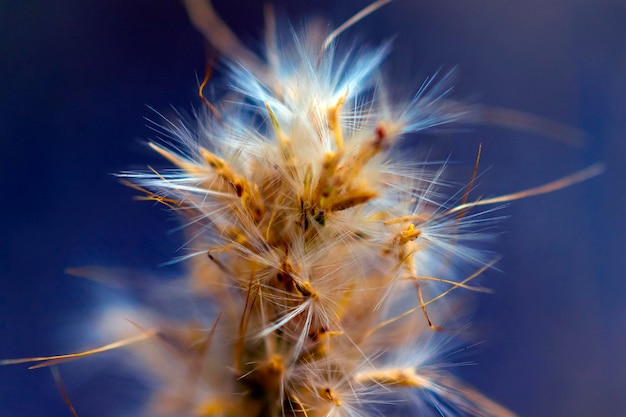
point(75, 81)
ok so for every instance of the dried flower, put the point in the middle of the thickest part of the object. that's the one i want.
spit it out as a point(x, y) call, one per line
point(321, 254)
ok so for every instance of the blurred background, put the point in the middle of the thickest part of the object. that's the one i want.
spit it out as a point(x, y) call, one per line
point(76, 80)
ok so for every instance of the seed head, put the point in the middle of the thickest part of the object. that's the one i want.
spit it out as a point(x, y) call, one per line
point(317, 242)
point(321, 256)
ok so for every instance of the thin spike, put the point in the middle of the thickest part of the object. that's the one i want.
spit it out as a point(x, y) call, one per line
point(353, 20)
point(208, 72)
point(432, 300)
point(52, 360)
point(580, 176)
point(522, 121)
point(59, 382)
point(424, 310)
point(219, 35)
point(462, 213)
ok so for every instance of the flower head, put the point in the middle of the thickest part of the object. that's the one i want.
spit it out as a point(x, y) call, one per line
point(314, 238)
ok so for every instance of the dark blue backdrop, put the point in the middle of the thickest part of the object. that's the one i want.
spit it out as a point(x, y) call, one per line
point(75, 79)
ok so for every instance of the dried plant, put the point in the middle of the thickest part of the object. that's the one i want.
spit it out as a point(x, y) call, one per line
point(325, 254)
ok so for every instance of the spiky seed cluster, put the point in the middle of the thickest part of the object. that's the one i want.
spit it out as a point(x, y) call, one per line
point(315, 243)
